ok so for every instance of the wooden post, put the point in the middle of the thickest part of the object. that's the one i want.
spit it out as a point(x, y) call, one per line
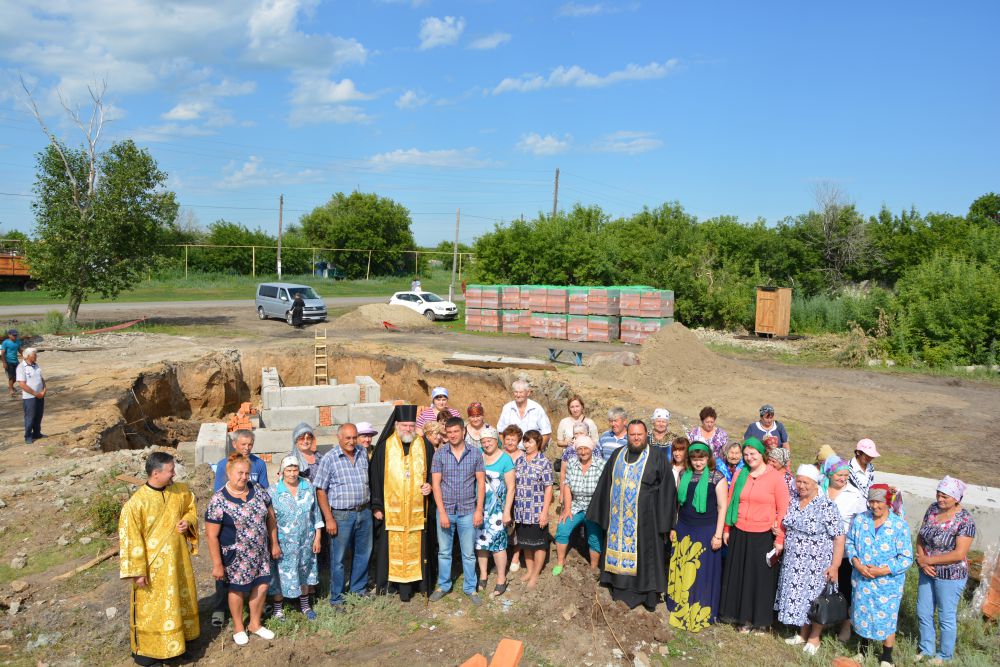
point(454, 258)
point(253, 261)
point(312, 267)
point(368, 273)
point(460, 269)
point(416, 263)
point(185, 262)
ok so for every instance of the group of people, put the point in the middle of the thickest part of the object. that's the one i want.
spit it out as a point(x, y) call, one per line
point(719, 531)
point(24, 374)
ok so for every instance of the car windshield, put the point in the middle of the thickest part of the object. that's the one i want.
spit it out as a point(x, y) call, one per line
point(306, 292)
point(427, 296)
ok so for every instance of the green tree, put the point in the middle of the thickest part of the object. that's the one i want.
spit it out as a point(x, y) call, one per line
point(362, 221)
point(986, 209)
point(100, 219)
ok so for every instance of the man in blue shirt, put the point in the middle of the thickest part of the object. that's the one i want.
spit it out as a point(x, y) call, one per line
point(615, 437)
point(343, 493)
point(11, 350)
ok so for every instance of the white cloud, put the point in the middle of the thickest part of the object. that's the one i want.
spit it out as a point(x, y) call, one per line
point(440, 32)
point(411, 157)
point(186, 111)
point(316, 100)
point(578, 77)
point(490, 41)
point(275, 39)
point(579, 9)
point(341, 114)
point(252, 173)
point(411, 99)
point(629, 143)
point(548, 145)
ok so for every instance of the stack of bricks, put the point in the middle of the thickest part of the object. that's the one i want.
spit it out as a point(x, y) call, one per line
point(598, 314)
point(240, 421)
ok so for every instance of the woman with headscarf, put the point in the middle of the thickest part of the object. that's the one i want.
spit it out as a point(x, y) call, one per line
point(814, 548)
point(758, 502)
point(850, 503)
point(879, 548)
point(695, 578)
point(304, 449)
point(778, 459)
point(475, 423)
point(731, 462)
point(943, 542)
point(300, 526)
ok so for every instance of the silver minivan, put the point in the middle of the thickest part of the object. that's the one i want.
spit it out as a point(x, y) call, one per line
point(275, 300)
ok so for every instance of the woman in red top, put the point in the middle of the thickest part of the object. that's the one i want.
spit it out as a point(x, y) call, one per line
point(758, 500)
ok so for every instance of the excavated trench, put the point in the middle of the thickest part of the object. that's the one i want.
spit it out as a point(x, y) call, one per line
point(165, 404)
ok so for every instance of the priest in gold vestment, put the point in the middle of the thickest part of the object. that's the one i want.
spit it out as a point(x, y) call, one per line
point(400, 476)
point(158, 530)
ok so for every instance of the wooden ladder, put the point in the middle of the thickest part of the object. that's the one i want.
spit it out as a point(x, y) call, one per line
point(321, 376)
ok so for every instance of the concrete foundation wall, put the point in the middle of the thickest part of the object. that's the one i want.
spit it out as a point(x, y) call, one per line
point(297, 397)
point(288, 418)
point(212, 443)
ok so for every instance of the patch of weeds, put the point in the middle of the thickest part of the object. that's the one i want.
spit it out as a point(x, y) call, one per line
point(105, 505)
point(49, 557)
point(358, 613)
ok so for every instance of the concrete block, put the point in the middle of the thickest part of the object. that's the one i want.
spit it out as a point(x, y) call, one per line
point(371, 392)
point(269, 441)
point(376, 414)
point(269, 377)
point(344, 394)
point(332, 382)
point(982, 502)
point(270, 397)
point(289, 418)
point(212, 443)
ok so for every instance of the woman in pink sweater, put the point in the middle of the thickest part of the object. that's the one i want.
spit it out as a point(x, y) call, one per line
point(758, 500)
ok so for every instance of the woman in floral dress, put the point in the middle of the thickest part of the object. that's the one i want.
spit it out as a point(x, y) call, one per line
point(814, 547)
point(709, 433)
point(242, 537)
point(533, 496)
point(497, 508)
point(695, 577)
point(300, 525)
point(880, 550)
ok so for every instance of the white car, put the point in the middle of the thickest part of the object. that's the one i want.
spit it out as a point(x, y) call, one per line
point(428, 304)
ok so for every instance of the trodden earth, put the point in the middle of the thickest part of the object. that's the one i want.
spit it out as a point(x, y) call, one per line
point(114, 395)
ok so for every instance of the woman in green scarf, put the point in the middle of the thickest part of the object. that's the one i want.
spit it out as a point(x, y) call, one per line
point(695, 576)
point(758, 501)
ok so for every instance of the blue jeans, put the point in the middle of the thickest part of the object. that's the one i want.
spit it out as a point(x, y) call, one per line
point(564, 529)
point(942, 595)
point(33, 409)
point(354, 530)
point(467, 543)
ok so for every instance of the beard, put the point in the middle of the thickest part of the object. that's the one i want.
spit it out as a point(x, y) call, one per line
point(637, 449)
point(407, 438)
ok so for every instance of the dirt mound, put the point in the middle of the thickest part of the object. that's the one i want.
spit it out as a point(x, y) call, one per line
point(372, 316)
point(676, 351)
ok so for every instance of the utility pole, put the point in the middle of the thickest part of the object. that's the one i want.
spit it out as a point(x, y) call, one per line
point(555, 196)
point(454, 259)
point(281, 210)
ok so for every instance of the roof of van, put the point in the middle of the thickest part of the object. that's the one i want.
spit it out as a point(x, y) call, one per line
point(285, 285)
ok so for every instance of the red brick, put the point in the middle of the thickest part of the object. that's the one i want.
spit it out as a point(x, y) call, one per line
point(509, 653)
point(478, 660)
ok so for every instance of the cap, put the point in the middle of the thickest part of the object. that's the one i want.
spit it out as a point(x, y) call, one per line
point(405, 413)
point(439, 391)
point(583, 441)
point(810, 471)
point(489, 432)
point(11, 332)
point(289, 460)
point(661, 413)
point(364, 428)
point(767, 408)
point(867, 446)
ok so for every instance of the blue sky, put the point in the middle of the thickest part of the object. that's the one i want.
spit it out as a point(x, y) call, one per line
point(728, 107)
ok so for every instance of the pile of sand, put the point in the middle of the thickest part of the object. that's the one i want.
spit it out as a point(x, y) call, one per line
point(371, 316)
point(675, 356)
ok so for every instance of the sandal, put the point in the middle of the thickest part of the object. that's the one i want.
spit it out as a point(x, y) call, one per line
point(218, 619)
point(499, 590)
point(480, 585)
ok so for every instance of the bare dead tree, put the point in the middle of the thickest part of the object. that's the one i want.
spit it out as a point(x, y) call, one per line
point(840, 233)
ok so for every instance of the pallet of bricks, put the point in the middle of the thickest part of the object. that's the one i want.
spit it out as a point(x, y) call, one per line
point(644, 311)
point(482, 308)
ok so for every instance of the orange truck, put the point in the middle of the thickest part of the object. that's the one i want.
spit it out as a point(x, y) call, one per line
point(14, 271)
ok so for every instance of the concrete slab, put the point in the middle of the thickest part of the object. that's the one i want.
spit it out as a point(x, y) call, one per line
point(983, 502)
point(288, 418)
point(211, 444)
point(270, 397)
point(376, 414)
point(371, 392)
point(269, 378)
point(343, 394)
point(269, 441)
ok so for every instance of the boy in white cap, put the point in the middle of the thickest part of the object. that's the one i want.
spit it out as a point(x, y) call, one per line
point(439, 403)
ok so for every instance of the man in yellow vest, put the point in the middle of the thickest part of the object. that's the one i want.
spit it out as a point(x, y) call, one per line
point(400, 477)
point(158, 530)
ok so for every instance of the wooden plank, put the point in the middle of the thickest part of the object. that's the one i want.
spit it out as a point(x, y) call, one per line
point(89, 564)
point(496, 363)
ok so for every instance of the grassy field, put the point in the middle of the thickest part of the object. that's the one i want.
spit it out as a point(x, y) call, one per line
point(208, 287)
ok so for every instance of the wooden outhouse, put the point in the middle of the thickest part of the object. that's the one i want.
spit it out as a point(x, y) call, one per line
point(774, 310)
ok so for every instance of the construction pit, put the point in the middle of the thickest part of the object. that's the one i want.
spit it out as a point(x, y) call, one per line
point(113, 397)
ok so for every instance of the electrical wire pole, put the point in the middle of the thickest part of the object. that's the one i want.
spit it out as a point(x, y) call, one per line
point(281, 210)
point(454, 259)
point(555, 196)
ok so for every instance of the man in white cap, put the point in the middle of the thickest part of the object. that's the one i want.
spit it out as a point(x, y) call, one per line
point(660, 435)
point(861, 470)
point(439, 403)
point(365, 434)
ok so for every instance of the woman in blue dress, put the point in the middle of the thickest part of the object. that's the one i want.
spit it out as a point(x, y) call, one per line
point(492, 538)
point(880, 551)
point(300, 526)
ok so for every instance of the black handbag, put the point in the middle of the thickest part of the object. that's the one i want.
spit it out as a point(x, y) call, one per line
point(829, 608)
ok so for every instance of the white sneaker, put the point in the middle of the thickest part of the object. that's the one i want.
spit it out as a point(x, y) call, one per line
point(795, 640)
point(264, 633)
point(810, 649)
point(241, 639)
point(515, 566)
